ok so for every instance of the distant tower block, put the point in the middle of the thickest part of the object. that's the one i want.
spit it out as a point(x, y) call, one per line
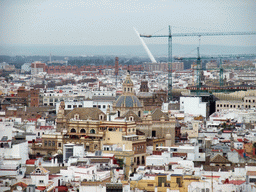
point(116, 68)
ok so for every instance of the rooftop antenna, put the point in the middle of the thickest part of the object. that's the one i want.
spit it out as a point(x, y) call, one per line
point(145, 47)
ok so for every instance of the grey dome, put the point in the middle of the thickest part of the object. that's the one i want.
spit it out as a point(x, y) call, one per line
point(128, 101)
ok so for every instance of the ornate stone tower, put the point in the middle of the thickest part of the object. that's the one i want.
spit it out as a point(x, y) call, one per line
point(144, 86)
point(61, 120)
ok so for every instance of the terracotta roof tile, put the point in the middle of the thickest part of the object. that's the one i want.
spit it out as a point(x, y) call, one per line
point(86, 113)
point(219, 159)
point(157, 114)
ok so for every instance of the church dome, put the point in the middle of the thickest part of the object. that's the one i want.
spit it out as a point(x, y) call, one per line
point(128, 81)
point(128, 101)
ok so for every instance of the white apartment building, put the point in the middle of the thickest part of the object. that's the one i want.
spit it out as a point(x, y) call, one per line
point(193, 106)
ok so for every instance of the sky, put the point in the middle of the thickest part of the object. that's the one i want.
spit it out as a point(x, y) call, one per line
point(111, 22)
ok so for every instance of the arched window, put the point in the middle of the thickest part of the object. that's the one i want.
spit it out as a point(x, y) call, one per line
point(92, 131)
point(131, 118)
point(101, 117)
point(76, 116)
point(49, 143)
point(128, 89)
point(82, 131)
point(139, 113)
point(73, 130)
point(118, 113)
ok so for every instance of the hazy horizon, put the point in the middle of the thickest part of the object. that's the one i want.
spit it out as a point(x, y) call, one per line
point(157, 50)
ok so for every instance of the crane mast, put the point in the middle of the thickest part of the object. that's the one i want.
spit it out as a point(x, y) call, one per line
point(170, 35)
point(199, 66)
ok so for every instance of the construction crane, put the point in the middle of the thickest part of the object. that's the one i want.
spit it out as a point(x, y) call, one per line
point(170, 35)
point(199, 66)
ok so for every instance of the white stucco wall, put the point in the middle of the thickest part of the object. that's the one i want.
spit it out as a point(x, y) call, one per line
point(193, 106)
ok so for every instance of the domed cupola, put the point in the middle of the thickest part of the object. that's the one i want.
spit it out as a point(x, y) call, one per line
point(128, 100)
point(128, 86)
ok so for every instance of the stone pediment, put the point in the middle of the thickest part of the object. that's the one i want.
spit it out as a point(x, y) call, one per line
point(40, 171)
point(131, 113)
point(157, 114)
point(219, 159)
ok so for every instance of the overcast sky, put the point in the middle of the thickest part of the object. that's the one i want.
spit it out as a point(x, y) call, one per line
point(111, 22)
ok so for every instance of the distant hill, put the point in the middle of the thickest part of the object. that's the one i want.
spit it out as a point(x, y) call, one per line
point(157, 50)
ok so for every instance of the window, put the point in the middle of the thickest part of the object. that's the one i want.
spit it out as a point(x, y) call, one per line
point(104, 106)
point(73, 130)
point(53, 143)
point(94, 106)
point(59, 144)
point(49, 143)
point(69, 106)
point(92, 131)
point(41, 181)
point(82, 131)
point(101, 117)
point(45, 143)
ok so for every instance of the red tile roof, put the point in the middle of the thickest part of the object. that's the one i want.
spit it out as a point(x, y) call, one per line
point(41, 188)
point(62, 188)
point(31, 161)
point(21, 184)
point(236, 182)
